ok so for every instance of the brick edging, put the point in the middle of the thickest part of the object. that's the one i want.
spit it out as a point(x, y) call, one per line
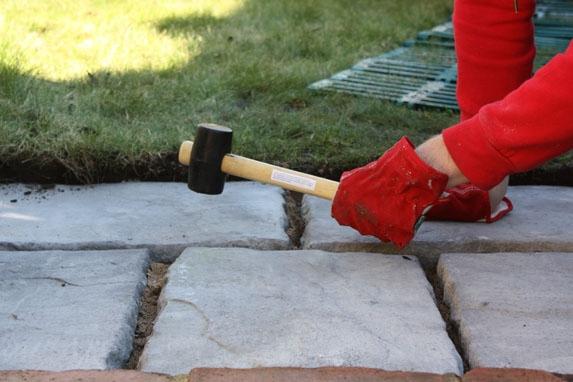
point(278, 374)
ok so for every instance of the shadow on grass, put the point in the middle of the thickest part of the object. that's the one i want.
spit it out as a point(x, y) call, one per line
point(251, 74)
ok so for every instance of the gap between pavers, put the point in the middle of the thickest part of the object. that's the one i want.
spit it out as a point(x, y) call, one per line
point(65, 310)
point(148, 309)
point(164, 217)
point(513, 309)
point(235, 307)
point(541, 221)
point(444, 309)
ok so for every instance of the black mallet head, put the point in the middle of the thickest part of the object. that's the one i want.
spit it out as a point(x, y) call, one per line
point(212, 142)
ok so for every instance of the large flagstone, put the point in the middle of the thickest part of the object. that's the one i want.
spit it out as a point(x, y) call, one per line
point(164, 217)
point(63, 310)
point(242, 308)
point(513, 309)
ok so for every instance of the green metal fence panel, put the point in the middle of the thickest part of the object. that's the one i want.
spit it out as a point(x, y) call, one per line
point(423, 71)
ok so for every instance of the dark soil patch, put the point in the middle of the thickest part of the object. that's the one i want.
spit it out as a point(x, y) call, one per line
point(296, 225)
point(166, 168)
point(147, 310)
point(160, 167)
point(551, 176)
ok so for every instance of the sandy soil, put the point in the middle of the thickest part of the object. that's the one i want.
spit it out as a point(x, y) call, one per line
point(148, 310)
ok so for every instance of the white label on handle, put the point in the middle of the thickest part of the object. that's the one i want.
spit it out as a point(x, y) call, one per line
point(293, 180)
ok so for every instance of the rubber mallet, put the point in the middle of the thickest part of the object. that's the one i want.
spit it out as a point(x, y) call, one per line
point(209, 160)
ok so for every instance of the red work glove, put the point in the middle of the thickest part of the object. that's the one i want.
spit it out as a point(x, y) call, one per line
point(386, 198)
point(467, 203)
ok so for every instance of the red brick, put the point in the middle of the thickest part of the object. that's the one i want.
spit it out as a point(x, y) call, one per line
point(81, 376)
point(324, 374)
point(510, 375)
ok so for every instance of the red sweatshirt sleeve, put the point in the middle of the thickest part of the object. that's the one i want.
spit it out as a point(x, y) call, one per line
point(529, 126)
point(494, 48)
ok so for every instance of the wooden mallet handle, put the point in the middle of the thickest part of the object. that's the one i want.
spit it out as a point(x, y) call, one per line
point(266, 173)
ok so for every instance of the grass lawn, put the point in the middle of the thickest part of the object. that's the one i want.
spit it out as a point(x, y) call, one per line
point(100, 90)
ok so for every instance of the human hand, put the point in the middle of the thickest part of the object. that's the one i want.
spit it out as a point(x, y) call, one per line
point(461, 201)
point(435, 154)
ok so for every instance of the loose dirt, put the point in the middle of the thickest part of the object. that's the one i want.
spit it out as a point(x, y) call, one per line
point(156, 277)
point(295, 228)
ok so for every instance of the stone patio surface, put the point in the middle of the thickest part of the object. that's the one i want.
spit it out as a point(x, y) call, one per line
point(237, 297)
point(244, 308)
point(541, 221)
point(69, 310)
point(165, 217)
point(513, 309)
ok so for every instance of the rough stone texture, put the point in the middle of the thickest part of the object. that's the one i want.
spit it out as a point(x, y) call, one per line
point(509, 375)
point(541, 221)
point(69, 310)
point(513, 309)
point(165, 217)
point(323, 374)
point(242, 308)
point(85, 376)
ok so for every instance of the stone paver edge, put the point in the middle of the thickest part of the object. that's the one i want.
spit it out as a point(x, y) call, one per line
point(161, 252)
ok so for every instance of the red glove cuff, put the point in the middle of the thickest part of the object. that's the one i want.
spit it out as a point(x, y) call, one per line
point(467, 203)
point(387, 197)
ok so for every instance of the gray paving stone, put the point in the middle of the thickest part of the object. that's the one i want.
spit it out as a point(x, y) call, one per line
point(542, 220)
point(63, 310)
point(165, 217)
point(513, 309)
point(243, 308)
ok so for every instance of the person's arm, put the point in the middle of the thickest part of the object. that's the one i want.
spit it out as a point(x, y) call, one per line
point(387, 198)
point(532, 124)
point(495, 50)
point(529, 126)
